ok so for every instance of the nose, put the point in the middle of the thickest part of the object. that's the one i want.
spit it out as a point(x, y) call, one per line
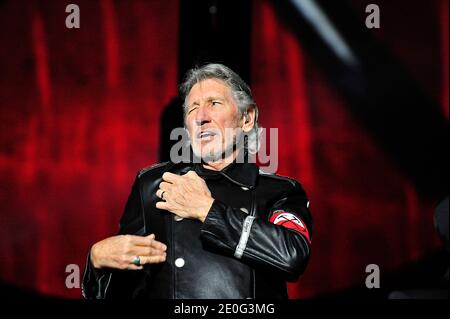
point(202, 116)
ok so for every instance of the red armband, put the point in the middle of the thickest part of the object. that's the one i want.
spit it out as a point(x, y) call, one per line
point(290, 221)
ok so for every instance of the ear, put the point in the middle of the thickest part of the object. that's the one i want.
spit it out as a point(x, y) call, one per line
point(249, 119)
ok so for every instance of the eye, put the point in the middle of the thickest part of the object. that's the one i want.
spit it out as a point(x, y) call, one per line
point(215, 103)
point(192, 108)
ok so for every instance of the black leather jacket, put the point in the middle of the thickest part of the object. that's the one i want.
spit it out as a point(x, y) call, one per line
point(201, 257)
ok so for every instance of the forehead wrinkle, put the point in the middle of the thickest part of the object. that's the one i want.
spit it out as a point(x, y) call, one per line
point(225, 90)
point(210, 95)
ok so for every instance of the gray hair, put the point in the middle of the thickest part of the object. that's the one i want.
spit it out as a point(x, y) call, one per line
point(240, 92)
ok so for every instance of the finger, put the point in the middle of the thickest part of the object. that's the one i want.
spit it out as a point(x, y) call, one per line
point(154, 244)
point(158, 246)
point(166, 196)
point(141, 240)
point(159, 193)
point(134, 267)
point(163, 205)
point(148, 251)
point(153, 259)
point(170, 177)
point(148, 242)
point(126, 262)
point(165, 186)
point(192, 174)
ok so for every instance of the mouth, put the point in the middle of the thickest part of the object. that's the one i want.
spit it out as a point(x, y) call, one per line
point(206, 135)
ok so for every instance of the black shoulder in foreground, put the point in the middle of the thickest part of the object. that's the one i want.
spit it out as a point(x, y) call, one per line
point(155, 169)
point(285, 179)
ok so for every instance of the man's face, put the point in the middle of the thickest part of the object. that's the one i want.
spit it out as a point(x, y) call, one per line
point(212, 119)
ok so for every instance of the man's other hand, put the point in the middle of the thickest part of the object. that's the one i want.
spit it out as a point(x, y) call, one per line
point(121, 251)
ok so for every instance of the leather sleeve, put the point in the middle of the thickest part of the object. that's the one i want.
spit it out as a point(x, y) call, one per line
point(113, 283)
point(95, 281)
point(277, 247)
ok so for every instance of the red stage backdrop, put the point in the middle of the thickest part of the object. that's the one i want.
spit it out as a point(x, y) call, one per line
point(80, 114)
point(365, 211)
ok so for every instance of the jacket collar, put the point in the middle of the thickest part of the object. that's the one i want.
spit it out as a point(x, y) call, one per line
point(241, 174)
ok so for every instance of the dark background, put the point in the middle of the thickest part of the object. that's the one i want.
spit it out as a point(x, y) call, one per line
point(82, 110)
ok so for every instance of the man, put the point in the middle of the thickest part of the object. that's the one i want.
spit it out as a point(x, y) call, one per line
point(215, 229)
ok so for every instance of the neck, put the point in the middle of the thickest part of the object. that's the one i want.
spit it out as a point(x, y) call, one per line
point(221, 163)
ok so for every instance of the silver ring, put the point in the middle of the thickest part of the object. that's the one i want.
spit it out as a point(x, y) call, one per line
point(136, 261)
